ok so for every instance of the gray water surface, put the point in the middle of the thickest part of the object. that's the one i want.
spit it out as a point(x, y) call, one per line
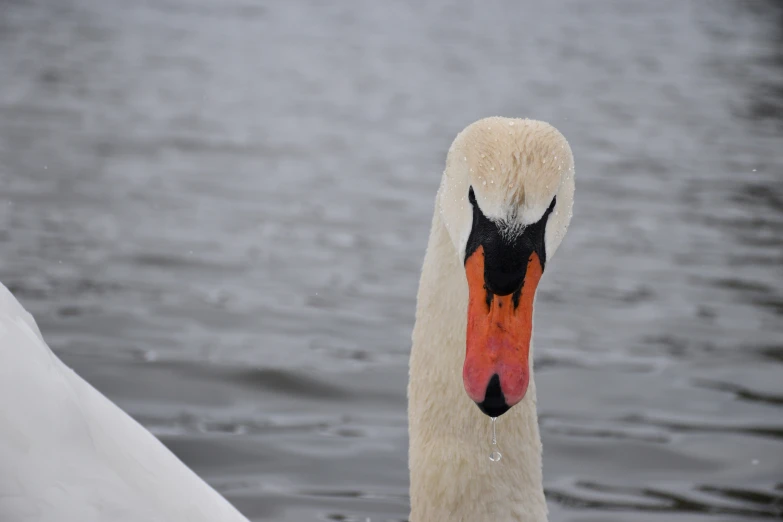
point(217, 211)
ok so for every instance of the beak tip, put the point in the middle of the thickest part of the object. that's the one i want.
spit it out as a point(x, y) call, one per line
point(493, 410)
point(494, 403)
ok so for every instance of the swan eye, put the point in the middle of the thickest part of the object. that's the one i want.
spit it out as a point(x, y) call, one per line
point(506, 258)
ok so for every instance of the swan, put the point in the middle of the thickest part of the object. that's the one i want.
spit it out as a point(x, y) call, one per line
point(502, 209)
point(68, 454)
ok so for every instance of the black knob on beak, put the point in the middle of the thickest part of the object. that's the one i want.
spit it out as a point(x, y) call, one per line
point(494, 403)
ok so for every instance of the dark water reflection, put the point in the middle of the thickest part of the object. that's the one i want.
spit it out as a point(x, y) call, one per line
point(217, 211)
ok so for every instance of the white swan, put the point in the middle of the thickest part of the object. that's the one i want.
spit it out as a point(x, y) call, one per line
point(503, 207)
point(68, 454)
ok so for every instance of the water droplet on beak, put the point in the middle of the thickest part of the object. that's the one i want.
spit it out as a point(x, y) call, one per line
point(495, 455)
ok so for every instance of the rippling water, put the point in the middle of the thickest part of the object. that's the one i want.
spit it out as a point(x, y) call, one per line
point(217, 211)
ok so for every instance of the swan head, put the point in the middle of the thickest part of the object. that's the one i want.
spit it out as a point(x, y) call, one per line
point(506, 200)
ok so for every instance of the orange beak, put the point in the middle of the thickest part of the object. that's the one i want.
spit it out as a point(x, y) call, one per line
point(497, 369)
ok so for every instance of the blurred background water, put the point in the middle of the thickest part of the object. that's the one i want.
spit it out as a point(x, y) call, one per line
point(217, 211)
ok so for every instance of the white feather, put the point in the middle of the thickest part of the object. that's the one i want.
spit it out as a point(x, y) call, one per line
point(68, 454)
